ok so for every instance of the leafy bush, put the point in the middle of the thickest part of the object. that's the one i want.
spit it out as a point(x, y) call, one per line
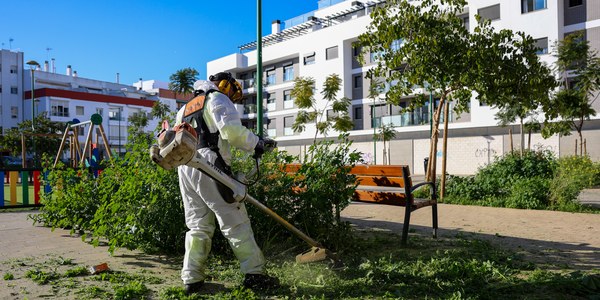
point(71, 203)
point(320, 189)
point(495, 179)
point(529, 193)
point(135, 204)
point(510, 181)
point(574, 174)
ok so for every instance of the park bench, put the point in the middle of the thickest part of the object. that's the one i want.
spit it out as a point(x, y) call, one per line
point(390, 185)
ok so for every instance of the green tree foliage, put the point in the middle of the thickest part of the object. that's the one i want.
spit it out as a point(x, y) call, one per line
point(572, 104)
point(182, 81)
point(510, 75)
point(11, 140)
point(313, 112)
point(421, 44)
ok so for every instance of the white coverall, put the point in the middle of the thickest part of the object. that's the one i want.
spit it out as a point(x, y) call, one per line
point(202, 201)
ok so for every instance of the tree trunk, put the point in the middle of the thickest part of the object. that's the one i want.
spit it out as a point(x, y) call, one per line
point(529, 139)
point(580, 143)
point(522, 147)
point(511, 140)
point(444, 152)
point(434, 140)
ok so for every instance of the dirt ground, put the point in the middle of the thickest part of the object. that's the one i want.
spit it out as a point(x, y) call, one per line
point(555, 239)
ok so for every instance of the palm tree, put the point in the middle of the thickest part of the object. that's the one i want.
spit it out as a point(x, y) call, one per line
point(386, 133)
point(182, 81)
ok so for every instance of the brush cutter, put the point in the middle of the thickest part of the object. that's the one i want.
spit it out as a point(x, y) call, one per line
point(177, 146)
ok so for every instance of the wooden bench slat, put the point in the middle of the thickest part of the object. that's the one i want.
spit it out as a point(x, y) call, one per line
point(380, 181)
point(380, 197)
point(376, 170)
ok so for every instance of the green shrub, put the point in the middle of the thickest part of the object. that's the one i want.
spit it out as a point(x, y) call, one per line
point(323, 188)
point(511, 181)
point(71, 203)
point(137, 205)
point(496, 178)
point(574, 174)
point(529, 193)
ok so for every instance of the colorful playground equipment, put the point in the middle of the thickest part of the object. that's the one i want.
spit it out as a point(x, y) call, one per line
point(21, 188)
point(71, 132)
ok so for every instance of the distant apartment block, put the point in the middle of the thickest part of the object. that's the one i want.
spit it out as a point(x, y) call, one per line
point(66, 97)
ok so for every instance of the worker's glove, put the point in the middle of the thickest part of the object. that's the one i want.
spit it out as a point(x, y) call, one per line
point(263, 145)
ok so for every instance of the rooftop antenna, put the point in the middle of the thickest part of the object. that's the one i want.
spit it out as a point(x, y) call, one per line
point(10, 40)
point(48, 52)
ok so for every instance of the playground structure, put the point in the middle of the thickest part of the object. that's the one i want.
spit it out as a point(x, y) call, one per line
point(77, 156)
point(13, 180)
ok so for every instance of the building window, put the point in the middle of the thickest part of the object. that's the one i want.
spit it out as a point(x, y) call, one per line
point(573, 3)
point(465, 19)
point(271, 128)
point(331, 53)
point(532, 5)
point(0, 88)
point(114, 114)
point(288, 73)
point(59, 108)
point(309, 59)
point(270, 77)
point(270, 98)
point(490, 13)
point(288, 102)
point(14, 112)
point(396, 44)
point(541, 45)
point(287, 125)
point(356, 50)
point(358, 113)
point(357, 81)
point(79, 110)
point(100, 111)
point(14, 90)
point(331, 115)
point(13, 69)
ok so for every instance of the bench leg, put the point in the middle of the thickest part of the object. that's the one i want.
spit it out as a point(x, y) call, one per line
point(406, 224)
point(434, 214)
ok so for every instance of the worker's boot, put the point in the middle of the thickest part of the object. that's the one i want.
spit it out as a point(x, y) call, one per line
point(260, 282)
point(193, 288)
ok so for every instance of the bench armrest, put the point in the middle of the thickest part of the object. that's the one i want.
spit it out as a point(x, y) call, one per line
point(420, 184)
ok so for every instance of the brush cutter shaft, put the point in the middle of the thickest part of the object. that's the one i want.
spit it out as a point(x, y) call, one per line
point(239, 193)
point(208, 168)
point(282, 221)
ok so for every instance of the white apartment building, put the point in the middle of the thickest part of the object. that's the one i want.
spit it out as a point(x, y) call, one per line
point(320, 43)
point(69, 98)
point(11, 88)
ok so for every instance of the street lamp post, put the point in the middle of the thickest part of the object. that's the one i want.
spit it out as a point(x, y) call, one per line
point(33, 64)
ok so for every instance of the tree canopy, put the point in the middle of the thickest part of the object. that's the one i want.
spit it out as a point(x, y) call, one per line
point(579, 72)
point(182, 81)
point(333, 114)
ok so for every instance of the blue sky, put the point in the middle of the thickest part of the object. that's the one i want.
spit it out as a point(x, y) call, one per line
point(138, 39)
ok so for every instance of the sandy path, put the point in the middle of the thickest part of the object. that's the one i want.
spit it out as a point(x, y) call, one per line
point(567, 239)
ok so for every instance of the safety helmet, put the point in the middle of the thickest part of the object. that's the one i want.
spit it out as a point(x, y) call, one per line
point(228, 86)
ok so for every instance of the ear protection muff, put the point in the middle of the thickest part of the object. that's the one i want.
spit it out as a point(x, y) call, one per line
point(228, 86)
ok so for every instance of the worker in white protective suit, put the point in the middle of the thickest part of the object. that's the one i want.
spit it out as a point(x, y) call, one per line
point(218, 126)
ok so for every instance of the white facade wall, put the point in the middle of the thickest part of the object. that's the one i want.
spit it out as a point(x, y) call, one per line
point(11, 61)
